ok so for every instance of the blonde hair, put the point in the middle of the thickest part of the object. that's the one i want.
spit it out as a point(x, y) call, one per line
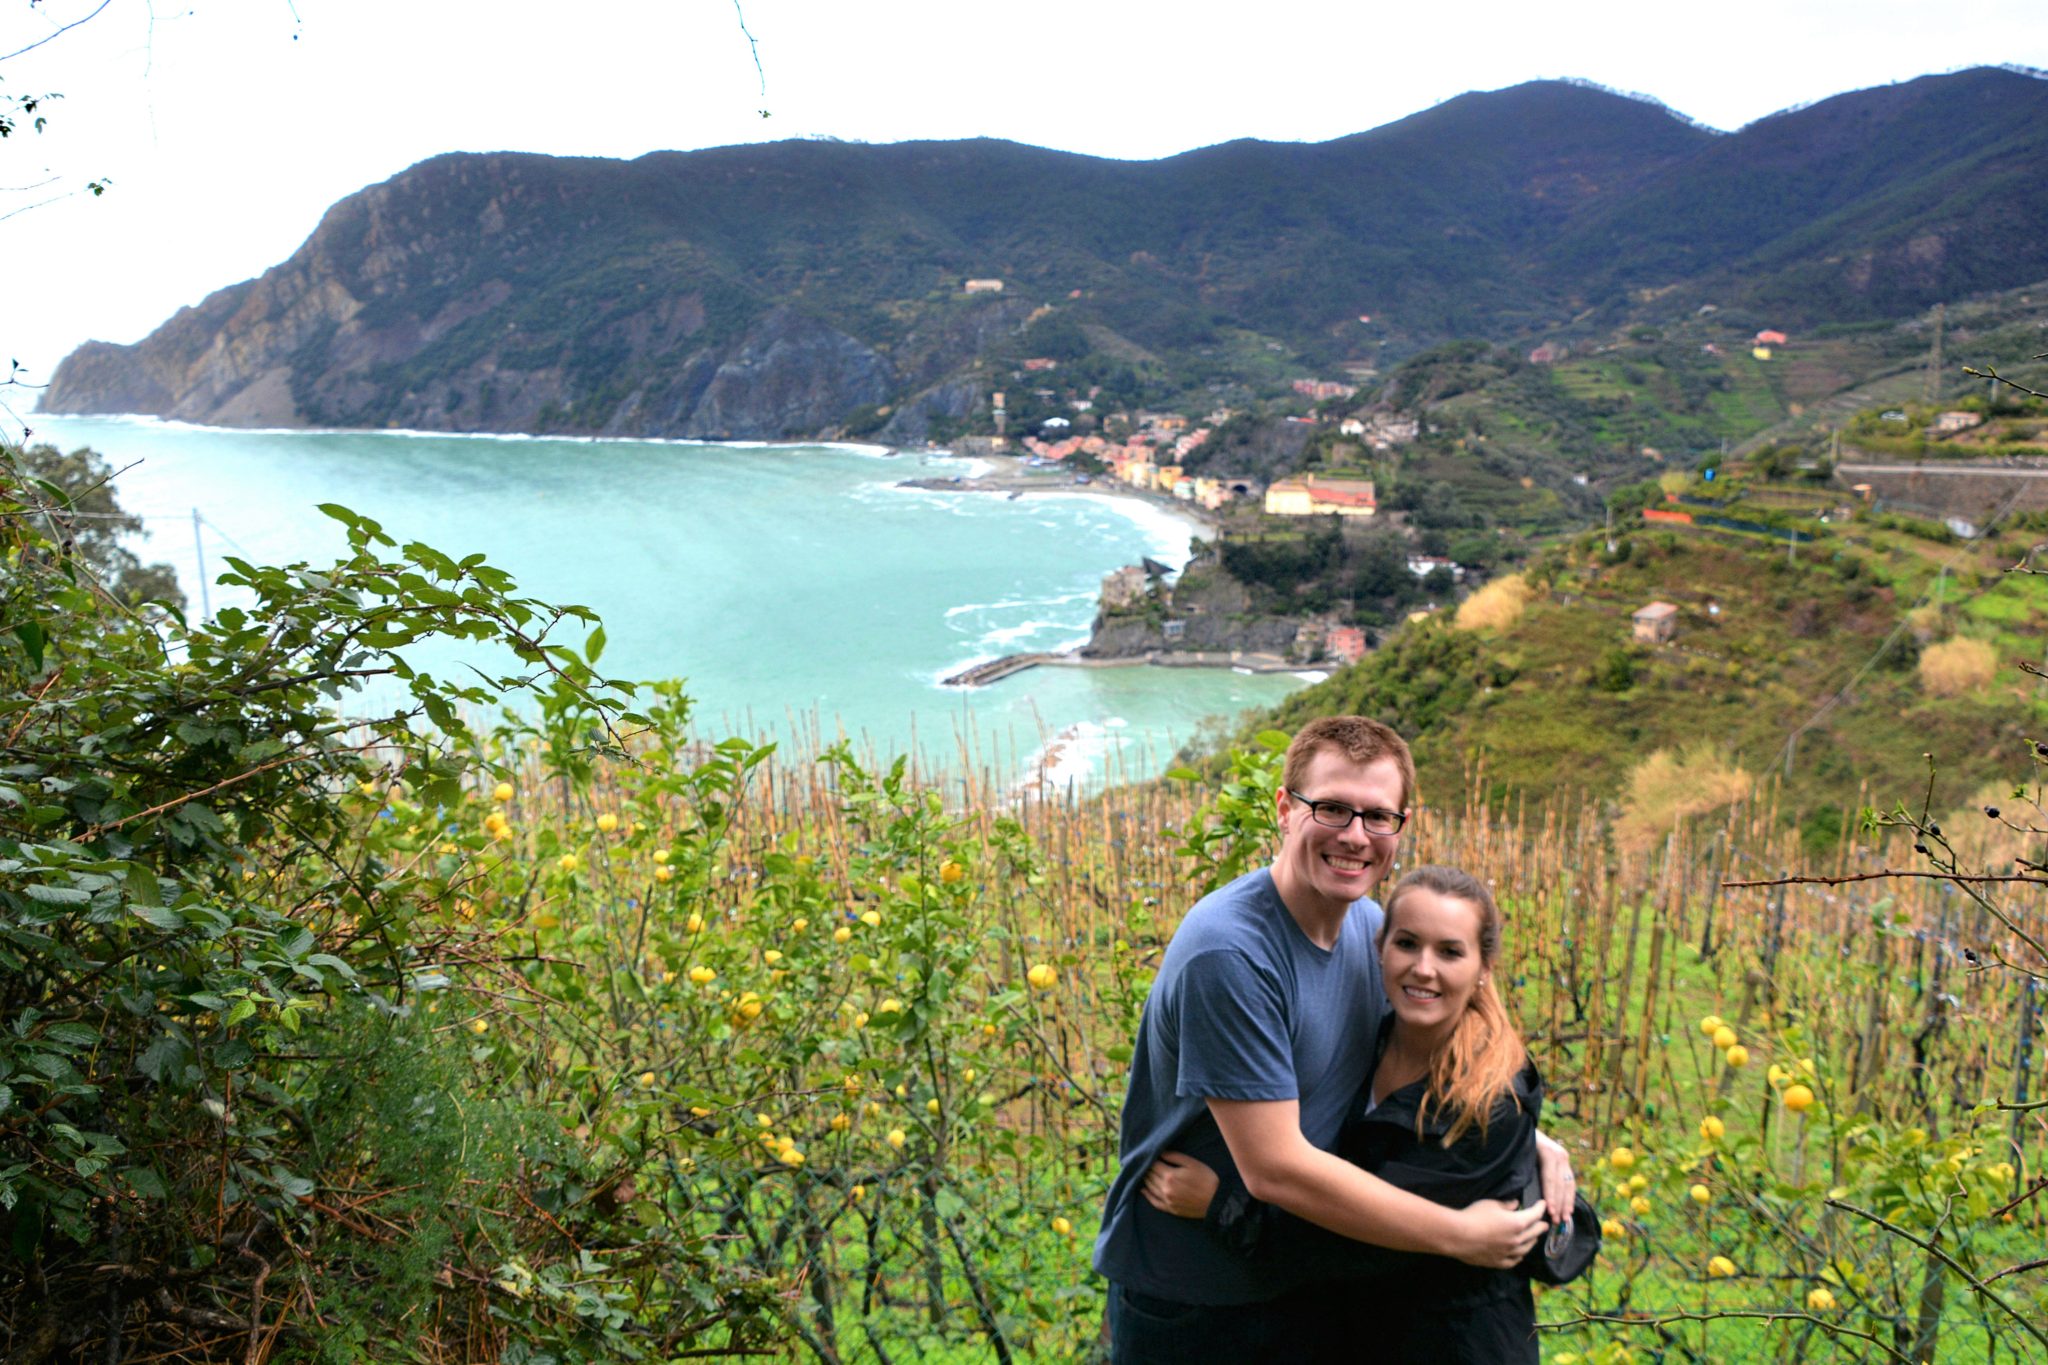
point(1478, 1064)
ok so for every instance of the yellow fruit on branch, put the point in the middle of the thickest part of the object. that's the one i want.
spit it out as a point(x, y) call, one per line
point(1737, 1055)
point(1820, 1300)
point(1639, 1206)
point(1724, 1037)
point(1720, 1267)
point(841, 934)
point(1712, 1129)
point(502, 792)
point(1621, 1158)
point(607, 822)
point(1612, 1228)
point(703, 976)
point(896, 1138)
point(1711, 1025)
point(951, 872)
point(1798, 1098)
point(1062, 1227)
point(872, 919)
point(1043, 976)
point(1701, 1194)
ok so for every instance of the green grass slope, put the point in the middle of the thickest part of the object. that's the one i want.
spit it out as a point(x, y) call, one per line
point(1814, 644)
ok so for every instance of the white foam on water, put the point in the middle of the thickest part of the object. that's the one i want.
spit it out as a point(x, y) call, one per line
point(1012, 604)
point(1070, 758)
point(1168, 531)
point(139, 419)
point(1004, 635)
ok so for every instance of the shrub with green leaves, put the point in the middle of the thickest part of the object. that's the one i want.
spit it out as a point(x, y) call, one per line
point(196, 935)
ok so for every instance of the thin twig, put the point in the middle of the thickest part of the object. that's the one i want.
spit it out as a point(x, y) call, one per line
point(1947, 1260)
point(1664, 1319)
point(1879, 876)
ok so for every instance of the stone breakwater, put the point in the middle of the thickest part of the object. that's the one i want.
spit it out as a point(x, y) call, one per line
point(1248, 661)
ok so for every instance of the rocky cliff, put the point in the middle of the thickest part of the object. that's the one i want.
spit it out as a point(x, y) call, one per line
point(1212, 614)
point(790, 289)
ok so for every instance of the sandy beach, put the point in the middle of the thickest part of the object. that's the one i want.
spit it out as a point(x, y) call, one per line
point(1008, 474)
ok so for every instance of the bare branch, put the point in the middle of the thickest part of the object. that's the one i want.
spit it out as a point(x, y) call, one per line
point(1875, 876)
point(1995, 377)
point(1665, 1319)
point(52, 37)
point(1983, 1290)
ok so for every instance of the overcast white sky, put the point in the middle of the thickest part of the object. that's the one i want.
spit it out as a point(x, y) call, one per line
point(226, 129)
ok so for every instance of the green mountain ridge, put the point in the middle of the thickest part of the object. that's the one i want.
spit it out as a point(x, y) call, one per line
point(808, 288)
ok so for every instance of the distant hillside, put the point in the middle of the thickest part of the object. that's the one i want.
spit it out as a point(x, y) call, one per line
point(1803, 665)
point(807, 288)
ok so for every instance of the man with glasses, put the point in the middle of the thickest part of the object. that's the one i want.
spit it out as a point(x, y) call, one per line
point(1258, 1032)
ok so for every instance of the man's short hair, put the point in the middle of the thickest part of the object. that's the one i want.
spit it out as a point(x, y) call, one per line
point(1360, 739)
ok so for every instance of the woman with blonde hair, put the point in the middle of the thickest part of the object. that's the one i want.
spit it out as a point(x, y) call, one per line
point(1448, 1113)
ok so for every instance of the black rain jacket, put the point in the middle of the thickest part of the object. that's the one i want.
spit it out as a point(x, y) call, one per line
point(1398, 1306)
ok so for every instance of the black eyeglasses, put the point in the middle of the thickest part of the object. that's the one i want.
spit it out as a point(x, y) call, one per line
point(1337, 815)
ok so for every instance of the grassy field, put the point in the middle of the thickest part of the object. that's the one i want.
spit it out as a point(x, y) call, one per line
point(874, 1047)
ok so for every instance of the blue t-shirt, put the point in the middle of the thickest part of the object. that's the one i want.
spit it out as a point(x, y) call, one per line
point(1245, 1007)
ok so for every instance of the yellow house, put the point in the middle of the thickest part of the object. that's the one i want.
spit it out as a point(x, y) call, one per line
point(1288, 498)
point(1310, 496)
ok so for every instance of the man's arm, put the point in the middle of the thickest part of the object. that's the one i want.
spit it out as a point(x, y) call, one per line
point(1282, 1167)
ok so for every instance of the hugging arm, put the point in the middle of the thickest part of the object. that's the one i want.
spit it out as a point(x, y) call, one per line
point(1281, 1167)
point(1478, 1165)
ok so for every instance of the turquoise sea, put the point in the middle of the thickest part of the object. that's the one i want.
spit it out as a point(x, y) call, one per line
point(796, 588)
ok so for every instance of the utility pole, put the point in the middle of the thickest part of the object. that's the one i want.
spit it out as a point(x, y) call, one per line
point(1932, 389)
point(199, 550)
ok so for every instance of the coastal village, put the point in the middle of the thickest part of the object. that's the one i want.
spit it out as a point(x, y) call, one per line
point(1148, 453)
point(1057, 439)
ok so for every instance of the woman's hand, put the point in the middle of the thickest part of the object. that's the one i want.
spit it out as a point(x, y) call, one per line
point(1559, 1184)
point(1180, 1185)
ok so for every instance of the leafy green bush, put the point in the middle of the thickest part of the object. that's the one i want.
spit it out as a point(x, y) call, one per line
point(199, 926)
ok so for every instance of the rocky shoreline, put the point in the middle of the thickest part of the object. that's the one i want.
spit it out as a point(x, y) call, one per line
point(1217, 633)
